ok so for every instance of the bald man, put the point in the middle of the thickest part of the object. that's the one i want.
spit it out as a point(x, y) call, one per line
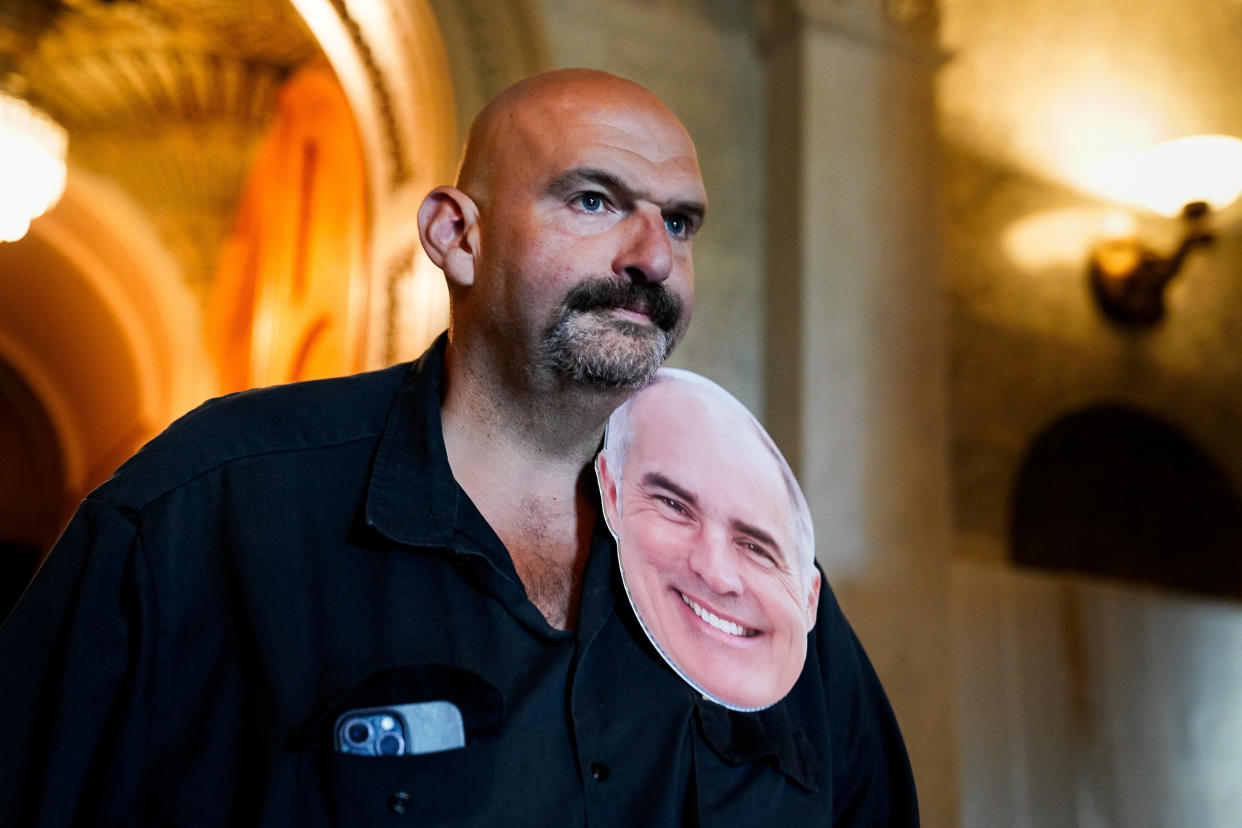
point(567, 249)
point(390, 597)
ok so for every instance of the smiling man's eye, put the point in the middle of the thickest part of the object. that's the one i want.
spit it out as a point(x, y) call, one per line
point(759, 552)
point(671, 504)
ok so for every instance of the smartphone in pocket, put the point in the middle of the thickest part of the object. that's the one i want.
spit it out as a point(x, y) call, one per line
point(401, 729)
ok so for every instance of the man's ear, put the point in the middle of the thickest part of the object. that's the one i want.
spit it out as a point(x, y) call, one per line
point(448, 225)
point(812, 600)
point(608, 494)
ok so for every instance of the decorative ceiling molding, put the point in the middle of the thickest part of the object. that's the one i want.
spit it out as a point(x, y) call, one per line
point(167, 98)
point(395, 152)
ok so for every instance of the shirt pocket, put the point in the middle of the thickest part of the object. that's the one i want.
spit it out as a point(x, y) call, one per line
point(443, 787)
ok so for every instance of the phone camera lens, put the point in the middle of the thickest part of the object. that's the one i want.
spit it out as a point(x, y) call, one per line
point(390, 745)
point(358, 732)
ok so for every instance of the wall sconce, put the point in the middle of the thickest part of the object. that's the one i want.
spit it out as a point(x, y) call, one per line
point(1191, 177)
point(1128, 278)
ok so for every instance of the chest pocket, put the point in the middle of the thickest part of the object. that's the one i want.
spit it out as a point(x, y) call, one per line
point(755, 768)
point(340, 788)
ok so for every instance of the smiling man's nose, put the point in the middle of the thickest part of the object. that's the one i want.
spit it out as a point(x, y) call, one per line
point(713, 561)
point(646, 253)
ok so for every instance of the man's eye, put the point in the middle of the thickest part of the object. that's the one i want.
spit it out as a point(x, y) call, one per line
point(678, 225)
point(761, 553)
point(590, 202)
point(671, 505)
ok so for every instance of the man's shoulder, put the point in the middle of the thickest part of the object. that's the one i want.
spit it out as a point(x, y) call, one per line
point(261, 422)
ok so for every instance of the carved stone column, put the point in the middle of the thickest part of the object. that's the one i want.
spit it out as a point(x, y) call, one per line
point(855, 379)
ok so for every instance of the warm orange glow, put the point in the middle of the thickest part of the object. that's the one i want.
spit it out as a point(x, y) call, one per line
point(1117, 258)
point(289, 301)
point(1063, 237)
point(107, 337)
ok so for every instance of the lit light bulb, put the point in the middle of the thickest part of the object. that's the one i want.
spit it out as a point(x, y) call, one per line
point(32, 165)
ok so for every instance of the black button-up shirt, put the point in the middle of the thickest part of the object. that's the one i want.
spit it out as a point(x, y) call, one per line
point(280, 556)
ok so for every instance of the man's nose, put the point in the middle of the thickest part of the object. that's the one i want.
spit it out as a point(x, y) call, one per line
point(646, 253)
point(713, 561)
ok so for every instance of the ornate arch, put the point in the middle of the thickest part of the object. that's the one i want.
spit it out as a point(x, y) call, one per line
point(415, 71)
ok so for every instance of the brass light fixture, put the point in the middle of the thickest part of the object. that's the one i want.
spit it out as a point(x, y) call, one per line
point(1128, 278)
point(1191, 178)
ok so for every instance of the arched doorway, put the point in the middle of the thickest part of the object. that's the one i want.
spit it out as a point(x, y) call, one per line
point(101, 348)
point(1114, 491)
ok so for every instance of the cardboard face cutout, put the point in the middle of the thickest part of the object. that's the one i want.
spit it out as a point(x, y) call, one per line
point(714, 539)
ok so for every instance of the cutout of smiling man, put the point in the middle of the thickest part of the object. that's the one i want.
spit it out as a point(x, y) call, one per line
point(714, 539)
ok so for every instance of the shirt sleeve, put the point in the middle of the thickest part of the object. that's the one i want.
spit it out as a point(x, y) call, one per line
point(872, 780)
point(77, 668)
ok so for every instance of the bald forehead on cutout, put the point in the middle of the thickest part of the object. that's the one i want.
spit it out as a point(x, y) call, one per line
point(714, 418)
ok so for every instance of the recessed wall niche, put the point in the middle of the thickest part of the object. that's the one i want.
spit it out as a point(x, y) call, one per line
point(1117, 492)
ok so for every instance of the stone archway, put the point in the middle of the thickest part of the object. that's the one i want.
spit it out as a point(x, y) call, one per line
point(99, 349)
point(415, 71)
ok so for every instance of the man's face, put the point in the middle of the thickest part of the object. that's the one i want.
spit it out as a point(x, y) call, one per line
point(586, 236)
point(704, 535)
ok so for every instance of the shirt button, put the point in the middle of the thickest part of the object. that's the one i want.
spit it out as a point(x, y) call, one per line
point(600, 771)
point(398, 802)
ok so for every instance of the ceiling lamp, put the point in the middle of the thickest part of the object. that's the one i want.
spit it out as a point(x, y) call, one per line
point(32, 164)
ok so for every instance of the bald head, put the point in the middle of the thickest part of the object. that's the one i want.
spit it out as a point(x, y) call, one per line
point(567, 240)
point(518, 127)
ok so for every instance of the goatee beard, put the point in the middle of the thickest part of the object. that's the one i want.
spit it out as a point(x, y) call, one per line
point(591, 348)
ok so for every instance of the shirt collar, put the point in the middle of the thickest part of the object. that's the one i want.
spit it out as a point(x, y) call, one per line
point(769, 735)
point(413, 497)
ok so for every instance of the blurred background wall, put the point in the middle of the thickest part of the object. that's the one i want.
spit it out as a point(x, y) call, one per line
point(1028, 509)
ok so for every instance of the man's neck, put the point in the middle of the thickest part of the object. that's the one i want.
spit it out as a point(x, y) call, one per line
point(522, 451)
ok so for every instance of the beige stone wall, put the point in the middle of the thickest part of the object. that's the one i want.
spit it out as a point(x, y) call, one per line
point(1035, 96)
point(1082, 702)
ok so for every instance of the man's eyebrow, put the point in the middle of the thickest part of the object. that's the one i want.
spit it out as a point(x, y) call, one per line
point(661, 482)
point(570, 180)
point(758, 534)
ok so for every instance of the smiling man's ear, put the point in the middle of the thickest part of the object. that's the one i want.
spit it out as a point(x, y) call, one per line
point(448, 225)
point(812, 600)
point(608, 494)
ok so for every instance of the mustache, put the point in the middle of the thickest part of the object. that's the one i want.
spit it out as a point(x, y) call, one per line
point(664, 307)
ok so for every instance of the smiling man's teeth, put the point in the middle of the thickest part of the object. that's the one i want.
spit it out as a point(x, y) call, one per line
point(714, 620)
